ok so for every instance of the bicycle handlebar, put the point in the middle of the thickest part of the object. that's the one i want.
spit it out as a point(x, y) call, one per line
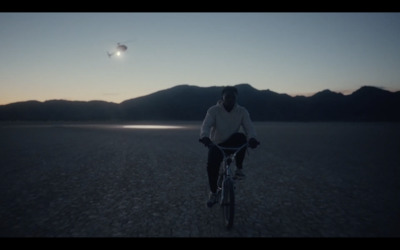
point(237, 149)
point(234, 149)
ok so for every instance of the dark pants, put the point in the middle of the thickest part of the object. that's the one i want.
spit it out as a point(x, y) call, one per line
point(215, 158)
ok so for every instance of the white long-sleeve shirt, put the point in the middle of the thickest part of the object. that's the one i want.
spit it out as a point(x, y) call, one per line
point(220, 124)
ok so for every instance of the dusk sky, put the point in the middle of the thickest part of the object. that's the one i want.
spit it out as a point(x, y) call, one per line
point(46, 56)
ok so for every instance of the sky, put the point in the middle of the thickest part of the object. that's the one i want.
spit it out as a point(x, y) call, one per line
point(63, 55)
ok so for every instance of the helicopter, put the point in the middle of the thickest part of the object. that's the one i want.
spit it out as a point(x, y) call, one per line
point(118, 50)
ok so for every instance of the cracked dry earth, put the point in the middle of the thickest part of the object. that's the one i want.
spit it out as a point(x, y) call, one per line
point(305, 180)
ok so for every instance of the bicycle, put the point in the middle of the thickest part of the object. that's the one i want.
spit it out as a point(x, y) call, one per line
point(226, 184)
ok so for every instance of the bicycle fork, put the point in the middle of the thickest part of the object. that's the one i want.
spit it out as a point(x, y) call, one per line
point(222, 179)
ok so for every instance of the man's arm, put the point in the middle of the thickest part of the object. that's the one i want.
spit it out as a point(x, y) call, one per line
point(248, 125)
point(208, 123)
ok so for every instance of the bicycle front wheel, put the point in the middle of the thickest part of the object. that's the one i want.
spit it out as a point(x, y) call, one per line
point(228, 203)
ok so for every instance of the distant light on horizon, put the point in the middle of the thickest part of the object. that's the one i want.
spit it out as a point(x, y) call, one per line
point(153, 126)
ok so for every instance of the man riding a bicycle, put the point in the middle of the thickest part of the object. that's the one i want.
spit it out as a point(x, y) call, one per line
point(221, 126)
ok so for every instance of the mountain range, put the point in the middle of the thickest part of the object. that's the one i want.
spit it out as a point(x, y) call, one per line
point(187, 102)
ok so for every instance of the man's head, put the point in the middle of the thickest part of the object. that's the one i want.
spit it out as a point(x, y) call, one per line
point(229, 89)
point(229, 95)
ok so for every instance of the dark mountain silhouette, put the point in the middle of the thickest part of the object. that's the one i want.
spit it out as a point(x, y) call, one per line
point(59, 110)
point(186, 102)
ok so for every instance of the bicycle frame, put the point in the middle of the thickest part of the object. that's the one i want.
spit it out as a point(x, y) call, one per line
point(226, 184)
point(228, 158)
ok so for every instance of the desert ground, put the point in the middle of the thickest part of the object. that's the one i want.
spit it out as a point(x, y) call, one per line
point(107, 180)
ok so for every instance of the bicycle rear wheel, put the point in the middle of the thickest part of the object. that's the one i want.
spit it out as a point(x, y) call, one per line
point(228, 203)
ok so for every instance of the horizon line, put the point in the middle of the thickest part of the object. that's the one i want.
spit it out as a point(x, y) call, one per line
point(345, 92)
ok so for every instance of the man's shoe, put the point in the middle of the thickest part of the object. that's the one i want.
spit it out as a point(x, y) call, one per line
point(212, 199)
point(239, 174)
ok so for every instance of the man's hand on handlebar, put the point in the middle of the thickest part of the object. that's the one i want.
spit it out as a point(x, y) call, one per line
point(253, 143)
point(206, 141)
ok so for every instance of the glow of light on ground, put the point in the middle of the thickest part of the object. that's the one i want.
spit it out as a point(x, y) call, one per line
point(153, 127)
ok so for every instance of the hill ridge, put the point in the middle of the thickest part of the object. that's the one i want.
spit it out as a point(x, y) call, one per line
point(190, 102)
